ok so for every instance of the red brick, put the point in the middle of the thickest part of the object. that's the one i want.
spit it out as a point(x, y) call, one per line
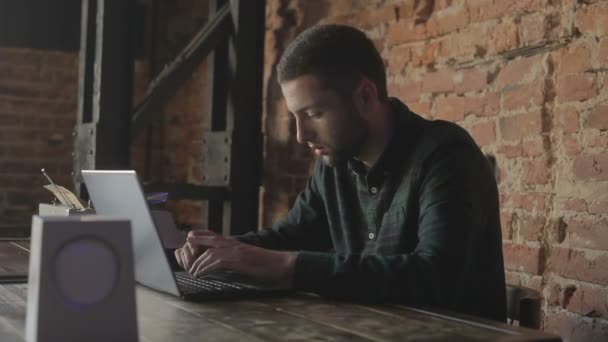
point(578, 87)
point(420, 108)
point(438, 82)
point(590, 301)
point(517, 70)
point(603, 57)
point(521, 6)
point(58, 59)
point(419, 56)
point(521, 258)
point(573, 327)
point(593, 19)
point(20, 57)
point(447, 21)
point(406, 10)
point(511, 151)
point(503, 37)
point(405, 31)
point(573, 59)
point(410, 91)
point(598, 118)
point(506, 221)
point(575, 264)
point(431, 52)
point(567, 119)
point(535, 172)
point(533, 28)
point(450, 109)
point(398, 59)
point(469, 42)
point(520, 126)
point(484, 105)
point(481, 10)
point(587, 233)
point(533, 148)
point(471, 80)
point(572, 204)
point(592, 140)
point(441, 4)
point(528, 201)
point(570, 145)
point(598, 208)
point(11, 119)
point(591, 167)
point(524, 96)
point(374, 17)
point(513, 278)
point(531, 227)
point(484, 133)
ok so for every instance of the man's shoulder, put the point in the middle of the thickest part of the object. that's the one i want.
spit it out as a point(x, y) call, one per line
point(436, 133)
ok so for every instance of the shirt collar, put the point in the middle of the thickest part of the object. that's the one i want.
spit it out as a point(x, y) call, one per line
point(393, 154)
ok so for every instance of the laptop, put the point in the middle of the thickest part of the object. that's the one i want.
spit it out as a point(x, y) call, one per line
point(119, 193)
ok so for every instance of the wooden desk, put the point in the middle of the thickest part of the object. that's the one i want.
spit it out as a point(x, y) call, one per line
point(300, 317)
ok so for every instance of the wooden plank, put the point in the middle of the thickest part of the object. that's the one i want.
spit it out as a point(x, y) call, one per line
point(395, 323)
point(160, 319)
point(260, 321)
point(13, 259)
point(12, 312)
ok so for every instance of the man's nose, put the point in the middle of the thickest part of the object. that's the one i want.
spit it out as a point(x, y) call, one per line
point(303, 132)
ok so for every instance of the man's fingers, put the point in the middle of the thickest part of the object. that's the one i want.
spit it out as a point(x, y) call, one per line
point(214, 266)
point(201, 232)
point(201, 260)
point(188, 257)
point(215, 241)
point(191, 247)
point(178, 258)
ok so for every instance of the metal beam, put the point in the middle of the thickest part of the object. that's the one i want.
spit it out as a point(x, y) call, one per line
point(189, 191)
point(168, 81)
point(218, 79)
point(246, 167)
point(105, 86)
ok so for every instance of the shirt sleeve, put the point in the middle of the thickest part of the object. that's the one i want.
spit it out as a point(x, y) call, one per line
point(304, 228)
point(450, 210)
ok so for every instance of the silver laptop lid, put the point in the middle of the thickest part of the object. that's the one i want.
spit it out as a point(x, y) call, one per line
point(118, 193)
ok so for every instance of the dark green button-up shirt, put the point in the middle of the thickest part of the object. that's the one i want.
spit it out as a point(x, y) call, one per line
point(420, 228)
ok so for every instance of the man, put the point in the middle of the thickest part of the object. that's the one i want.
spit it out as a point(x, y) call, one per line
point(398, 209)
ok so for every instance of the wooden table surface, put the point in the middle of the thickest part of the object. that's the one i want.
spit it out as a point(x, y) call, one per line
point(298, 317)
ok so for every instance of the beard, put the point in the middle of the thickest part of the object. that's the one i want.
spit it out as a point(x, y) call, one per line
point(349, 141)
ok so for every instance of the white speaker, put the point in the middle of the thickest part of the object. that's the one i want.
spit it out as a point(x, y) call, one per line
point(81, 285)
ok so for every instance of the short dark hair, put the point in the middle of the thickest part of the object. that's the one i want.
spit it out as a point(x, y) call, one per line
point(338, 54)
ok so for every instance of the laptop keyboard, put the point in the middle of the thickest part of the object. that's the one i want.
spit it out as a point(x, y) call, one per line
point(189, 284)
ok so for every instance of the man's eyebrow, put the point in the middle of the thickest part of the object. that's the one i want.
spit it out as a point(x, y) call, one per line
point(305, 108)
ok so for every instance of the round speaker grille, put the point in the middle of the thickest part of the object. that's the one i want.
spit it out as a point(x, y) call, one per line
point(86, 270)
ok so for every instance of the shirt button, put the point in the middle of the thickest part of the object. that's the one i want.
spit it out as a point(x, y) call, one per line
point(371, 236)
point(374, 190)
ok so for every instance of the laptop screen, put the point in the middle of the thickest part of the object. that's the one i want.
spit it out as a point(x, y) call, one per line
point(119, 193)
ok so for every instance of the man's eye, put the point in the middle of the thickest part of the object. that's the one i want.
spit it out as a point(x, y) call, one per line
point(314, 114)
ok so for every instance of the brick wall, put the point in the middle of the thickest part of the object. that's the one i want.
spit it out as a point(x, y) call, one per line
point(38, 100)
point(527, 78)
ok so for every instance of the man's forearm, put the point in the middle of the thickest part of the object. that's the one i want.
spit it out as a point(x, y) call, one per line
point(404, 278)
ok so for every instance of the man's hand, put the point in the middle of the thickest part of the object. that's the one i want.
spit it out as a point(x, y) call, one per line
point(221, 253)
point(186, 255)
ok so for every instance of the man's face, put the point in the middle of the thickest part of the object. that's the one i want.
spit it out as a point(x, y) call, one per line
point(328, 123)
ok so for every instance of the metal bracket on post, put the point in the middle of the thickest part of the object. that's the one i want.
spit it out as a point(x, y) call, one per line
point(217, 158)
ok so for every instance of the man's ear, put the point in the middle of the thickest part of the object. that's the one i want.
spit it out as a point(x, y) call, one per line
point(365, 95)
